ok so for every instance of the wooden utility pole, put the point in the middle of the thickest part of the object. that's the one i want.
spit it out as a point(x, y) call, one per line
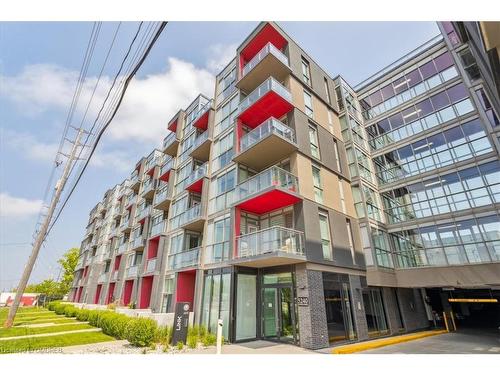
point(43, 231)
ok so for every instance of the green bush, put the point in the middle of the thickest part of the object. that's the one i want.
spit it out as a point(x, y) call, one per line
point(82, 315)
point(192, 341)
point(141, 331)
point(93, 317)
point(52, 305)
point(114, 324)
point(163, 335)
point(59, 308)
point(180, 345)
point(209, 340)
point(70, 311)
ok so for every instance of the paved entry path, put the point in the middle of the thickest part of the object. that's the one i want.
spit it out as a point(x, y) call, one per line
point(461, 342)
point(255, 347)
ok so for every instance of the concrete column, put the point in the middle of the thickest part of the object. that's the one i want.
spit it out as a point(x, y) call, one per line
point(391, 310)
point(412, 309)
point(313, 330)
point(358, 307)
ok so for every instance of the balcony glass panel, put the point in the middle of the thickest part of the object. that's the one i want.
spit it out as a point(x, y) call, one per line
point(269, 48)
point(271, 240)
point(184, 259)
point(268, 85)
point(196, 175)
point(169, 139)
point(271, 126)
point(151, 265)
point(271, 177)
point(158, 228)
point(132, 271)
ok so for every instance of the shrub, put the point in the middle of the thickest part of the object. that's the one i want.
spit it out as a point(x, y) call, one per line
point(209, 340)
point(70, 311)
point(180, 345)
point(114, 324)
point(82, 315)
point(141, 331)
point(52, 305)
point(192, 341)
point(163, 335)
point(59, 308)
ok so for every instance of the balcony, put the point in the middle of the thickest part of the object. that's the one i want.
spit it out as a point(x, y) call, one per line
point(166, 169)
point(138, 243)
point(201, 147)
point(114, 275)
point(201, 119)
point(123, 247)
point(131, 271)
point(193, 219)
point(267, 191)
point(175, 121)
point(194, 182)
point(216, 253)
point(265, 145)
point(143, 213)
point(270, 99)
point(103, 278)
point(171, 144)
point(148, 188)
point(267, 34)
point(125, 225)
point(155, 159)
point(150, 265)
point(270, 61)
point(158, 229)
point(135, 182)
point(270, 247)
point(185, 259)
point(163, 198)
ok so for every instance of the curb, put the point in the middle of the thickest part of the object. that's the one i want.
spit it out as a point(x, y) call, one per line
point(354, 348)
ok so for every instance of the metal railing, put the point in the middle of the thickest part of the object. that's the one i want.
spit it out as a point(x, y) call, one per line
point(270, 240)
point(271, 177)
point(269, 84)
point(269, 48)
point(184, 259)
point(268, 127)
point(134, 177)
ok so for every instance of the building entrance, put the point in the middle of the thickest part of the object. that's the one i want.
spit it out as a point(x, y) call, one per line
point(278, 315)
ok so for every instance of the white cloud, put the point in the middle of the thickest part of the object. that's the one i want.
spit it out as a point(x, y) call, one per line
point(219, 56)
point(149, 103)
point(19, 208)
point(35, 150)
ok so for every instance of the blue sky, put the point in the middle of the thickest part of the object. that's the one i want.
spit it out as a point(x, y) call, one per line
point(39, 63)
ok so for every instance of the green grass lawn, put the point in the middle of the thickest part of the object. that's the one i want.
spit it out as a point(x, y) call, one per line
point(24, 311)
point(48, 342)
point(52, 320)
point(23, 331)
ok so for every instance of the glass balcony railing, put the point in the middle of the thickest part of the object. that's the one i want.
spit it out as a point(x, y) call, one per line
point(216, 253)
point(184, 259)
point(161, 196)
point(269, 178)
point(158, 228)
point(196, 175)
point(270, 240)
point(269, 48)
point(268, 85)
point(154, 159)
point(138, 242)
point(142, 213)
point(134, 178)
point(167, 166)
point(104, 277)
point(131, 271)
point(114, 275)
point(270, 126)
point(199, 140)
point(190, 215)
point(123, 247)
point(169, 140)
point(148, 185)
point(125, 223)
point(151, 265)
point(206, 107)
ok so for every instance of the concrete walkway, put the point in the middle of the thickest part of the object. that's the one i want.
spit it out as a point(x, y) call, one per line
point(255, 347)
point(49, 334)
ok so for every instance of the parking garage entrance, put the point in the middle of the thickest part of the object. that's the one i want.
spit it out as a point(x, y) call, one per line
point(477, 309)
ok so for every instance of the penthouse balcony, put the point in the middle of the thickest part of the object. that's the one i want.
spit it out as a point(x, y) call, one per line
point(269, 61)
point(151, 265)
point(148, 188)
point(185, 259)
point(163, 198)
point(171, 144)
point(201, 147)
point(265, 145)
point(135, 182)
point(158, 229)
point(267, 191)
point(270, 247)
point(155, 159)
point(193, 219)
point(138, 243)
point(194, 182)
point(201, 118)
point(269, 99)
point(131, 271)
point(167, 167)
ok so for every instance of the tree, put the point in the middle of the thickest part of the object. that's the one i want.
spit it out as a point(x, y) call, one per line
point(68, 263)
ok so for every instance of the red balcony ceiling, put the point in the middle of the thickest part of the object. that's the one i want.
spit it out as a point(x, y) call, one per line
point(270, 105)
point(267, 34)
point(202, 121)
point(172, 125)
point(269, 201)
point(196, 186)
point(165, 176)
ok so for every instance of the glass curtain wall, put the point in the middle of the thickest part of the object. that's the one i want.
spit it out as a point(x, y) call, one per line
point(216, 300)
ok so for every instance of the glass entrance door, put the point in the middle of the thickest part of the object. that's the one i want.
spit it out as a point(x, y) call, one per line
point(278, 314)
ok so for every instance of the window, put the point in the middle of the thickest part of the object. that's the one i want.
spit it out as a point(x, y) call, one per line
point(337, 155)
point(216, 300)
point(225, 115)
point(168, 292)
point(327, 91)
point(313, 140)
point(318, 191)
point(306, 73)
point(220, 247)
point(308, 104)
point(324, 227)
point(342, 196)
point(338, 94)
point(351, 240)
point(223, 152)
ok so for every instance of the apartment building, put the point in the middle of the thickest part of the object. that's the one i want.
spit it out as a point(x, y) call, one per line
point(297, 208)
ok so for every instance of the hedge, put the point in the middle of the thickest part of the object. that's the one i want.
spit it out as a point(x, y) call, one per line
point(138, 331)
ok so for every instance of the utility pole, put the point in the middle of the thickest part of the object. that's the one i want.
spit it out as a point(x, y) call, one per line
point(43, 231)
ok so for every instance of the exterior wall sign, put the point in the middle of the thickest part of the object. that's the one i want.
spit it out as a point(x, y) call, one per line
point(303, 301)
point(181, 322)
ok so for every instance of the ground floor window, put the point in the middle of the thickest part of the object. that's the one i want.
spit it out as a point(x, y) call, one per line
point(246, 307)
point(216, 299)
point(375, 312)
point(338, 306)
point(168, 293)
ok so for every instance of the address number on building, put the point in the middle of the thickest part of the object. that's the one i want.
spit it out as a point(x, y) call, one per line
point(303, 301)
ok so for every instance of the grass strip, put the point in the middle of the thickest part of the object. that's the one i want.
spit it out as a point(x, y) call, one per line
point(55, 321)
point(44, 344)
point(24, 331)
